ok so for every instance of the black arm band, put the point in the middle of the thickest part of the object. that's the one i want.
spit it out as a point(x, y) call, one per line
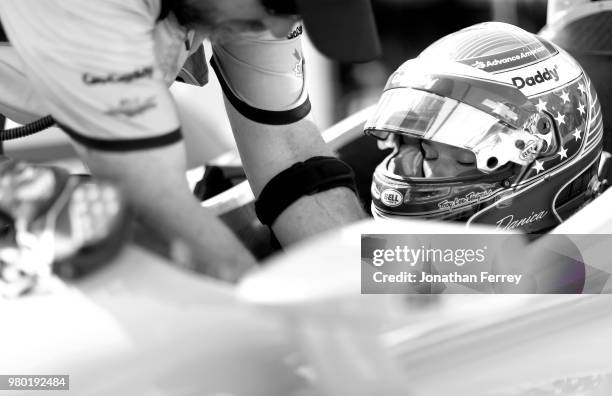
point(124, 144)
point(268, 117)
point(312, 176)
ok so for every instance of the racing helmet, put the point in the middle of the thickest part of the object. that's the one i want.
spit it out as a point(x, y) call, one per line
point(490, 124)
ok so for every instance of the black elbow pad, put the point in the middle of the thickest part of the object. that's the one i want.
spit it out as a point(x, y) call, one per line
point(312, 176)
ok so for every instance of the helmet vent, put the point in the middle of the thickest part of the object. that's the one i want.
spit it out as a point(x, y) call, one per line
point(492, 162)
point(543, 125)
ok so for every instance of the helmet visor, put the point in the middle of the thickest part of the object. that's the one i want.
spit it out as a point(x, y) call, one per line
point(428, 116)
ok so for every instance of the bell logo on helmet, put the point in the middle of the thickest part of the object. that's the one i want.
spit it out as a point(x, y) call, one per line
point(391, 197)
point(538, 78)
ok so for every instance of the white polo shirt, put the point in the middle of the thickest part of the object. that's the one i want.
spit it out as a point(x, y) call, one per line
point(102, 69)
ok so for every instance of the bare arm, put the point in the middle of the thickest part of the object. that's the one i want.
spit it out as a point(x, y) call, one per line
point(154, 181)
point(263, 81)
point(267, 150)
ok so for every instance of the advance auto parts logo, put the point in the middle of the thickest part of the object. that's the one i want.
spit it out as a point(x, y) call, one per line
point(509, 60)
point(470, 198)
point(540, 77)
point(391, 197)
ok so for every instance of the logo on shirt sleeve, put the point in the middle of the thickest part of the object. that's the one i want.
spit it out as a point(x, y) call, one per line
point(295, 33)
point(114, 78)
point(298, 69)
point(132, 107)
